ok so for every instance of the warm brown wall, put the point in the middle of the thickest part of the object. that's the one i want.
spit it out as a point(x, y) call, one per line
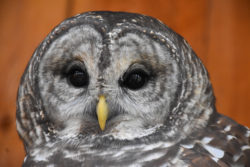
point(218, 30)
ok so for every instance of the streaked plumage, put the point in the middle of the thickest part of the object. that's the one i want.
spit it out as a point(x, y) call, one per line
point(168, 118)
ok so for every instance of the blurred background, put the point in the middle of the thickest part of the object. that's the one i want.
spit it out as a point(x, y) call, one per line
point(217, 30)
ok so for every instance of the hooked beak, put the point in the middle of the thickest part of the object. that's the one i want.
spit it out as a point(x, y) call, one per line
point(102, 111)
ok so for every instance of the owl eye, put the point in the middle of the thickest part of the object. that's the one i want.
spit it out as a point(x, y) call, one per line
point(135, 79)
point(78, 77)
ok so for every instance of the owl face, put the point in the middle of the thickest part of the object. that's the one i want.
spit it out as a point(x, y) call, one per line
point(134, 73)
point(107, 87)
point(113, 74)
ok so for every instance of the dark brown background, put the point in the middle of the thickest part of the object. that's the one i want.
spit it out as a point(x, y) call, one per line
point(218, 31)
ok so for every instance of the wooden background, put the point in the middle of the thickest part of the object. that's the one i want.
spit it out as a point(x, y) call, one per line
point(218, 31)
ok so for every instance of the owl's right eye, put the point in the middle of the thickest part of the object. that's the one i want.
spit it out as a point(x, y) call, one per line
point(78, 77)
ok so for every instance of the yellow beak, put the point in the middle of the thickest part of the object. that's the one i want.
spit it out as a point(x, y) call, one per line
point(102, 112)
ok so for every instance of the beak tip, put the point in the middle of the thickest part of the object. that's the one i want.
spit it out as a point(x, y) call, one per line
point(102, 128)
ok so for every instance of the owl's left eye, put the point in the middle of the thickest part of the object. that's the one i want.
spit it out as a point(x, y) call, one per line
point(134, 79)
point(78, 77)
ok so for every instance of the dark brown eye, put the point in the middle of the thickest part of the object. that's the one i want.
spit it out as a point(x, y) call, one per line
point(134, 79)
point(78, 77)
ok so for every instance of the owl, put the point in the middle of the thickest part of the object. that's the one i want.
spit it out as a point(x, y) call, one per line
point(122, 89)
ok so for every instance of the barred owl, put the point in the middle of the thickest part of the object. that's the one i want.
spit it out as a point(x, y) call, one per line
point(122, 89)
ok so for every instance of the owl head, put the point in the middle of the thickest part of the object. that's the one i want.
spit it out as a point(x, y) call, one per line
point(115, 74)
